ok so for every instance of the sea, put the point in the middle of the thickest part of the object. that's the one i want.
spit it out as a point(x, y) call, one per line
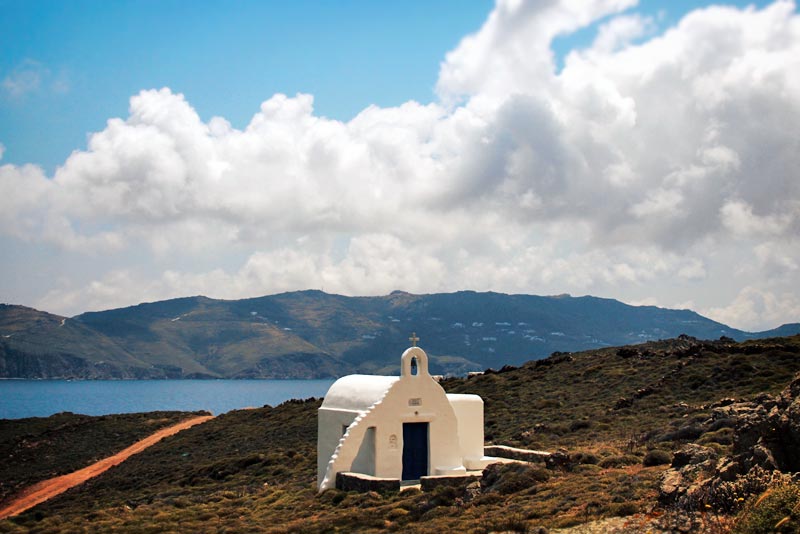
point(42, 398)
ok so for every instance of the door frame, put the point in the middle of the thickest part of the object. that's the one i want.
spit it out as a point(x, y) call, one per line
point(408, 471)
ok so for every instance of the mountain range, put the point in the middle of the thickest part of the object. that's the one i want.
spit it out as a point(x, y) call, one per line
point(312, 334)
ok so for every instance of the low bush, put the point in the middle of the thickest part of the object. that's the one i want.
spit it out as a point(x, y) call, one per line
point(657, 457)
point(725, 422)
point(512, 478)
point(574, 426)
point(730, 496)
point(685, 433)
point(776, 510)
point(619, 461)
point(396, 513)
point(723, 436)
point(513, 523)
point(584, 458)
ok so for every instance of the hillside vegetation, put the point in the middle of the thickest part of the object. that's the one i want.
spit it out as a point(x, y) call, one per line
point(38, 448)
point(311, 334)
point(616, 415)
point(630, 393)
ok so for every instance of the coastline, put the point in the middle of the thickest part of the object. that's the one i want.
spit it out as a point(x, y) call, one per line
point(41, 398)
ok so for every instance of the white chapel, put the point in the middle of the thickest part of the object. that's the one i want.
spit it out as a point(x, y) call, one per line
point(395, 427)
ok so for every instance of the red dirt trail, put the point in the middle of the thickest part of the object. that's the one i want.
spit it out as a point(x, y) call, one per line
point(47, 489)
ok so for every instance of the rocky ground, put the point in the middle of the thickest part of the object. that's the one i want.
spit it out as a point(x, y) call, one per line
point(703, 491)
point(766, 451)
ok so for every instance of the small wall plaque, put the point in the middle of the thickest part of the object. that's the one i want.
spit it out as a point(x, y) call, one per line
point(415, 402)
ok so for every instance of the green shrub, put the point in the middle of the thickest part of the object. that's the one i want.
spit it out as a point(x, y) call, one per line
point(776, 510)
point(512, 478)
point(584, 458)
point(579, 425)
point(444, 496)
point(723, 436)
point(512, 523)
point(730, 496)
point(657, 457)
point(618, 461)
point(396, 513)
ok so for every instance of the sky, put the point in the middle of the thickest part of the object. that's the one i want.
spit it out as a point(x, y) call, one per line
point(644, 151)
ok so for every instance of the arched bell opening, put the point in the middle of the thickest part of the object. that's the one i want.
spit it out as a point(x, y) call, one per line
point(414, 363)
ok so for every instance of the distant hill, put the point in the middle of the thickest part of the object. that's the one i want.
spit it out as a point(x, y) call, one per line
point(311, 334)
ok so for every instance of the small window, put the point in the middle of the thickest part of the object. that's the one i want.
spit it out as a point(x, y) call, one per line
point(414, 365)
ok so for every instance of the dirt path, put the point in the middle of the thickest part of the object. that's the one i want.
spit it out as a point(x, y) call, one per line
point(47, 489)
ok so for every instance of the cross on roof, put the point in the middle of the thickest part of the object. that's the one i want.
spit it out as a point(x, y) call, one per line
point(413, 339)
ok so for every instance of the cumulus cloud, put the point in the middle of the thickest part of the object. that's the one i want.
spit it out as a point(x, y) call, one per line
point(626, 173)
point(512, 49)
point(620, 32)
point(755, 306)
point(739, 219)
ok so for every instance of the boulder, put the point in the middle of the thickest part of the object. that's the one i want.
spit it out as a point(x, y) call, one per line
point(559, 460)
point(790, 422)
point(767, 433)
point(672, 485)
point(692, 466)
point(728, 470)
point(693, 454)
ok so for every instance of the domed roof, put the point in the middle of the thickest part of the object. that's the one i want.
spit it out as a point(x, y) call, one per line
point(357, 392)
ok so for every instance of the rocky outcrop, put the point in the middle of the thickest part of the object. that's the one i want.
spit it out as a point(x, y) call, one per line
point(767, 431)
point(766, 445)
point(692, 468)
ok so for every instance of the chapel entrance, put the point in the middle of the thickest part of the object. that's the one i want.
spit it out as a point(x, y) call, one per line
point(415, 450)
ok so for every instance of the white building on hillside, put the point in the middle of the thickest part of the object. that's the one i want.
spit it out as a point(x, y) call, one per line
point(398, 427)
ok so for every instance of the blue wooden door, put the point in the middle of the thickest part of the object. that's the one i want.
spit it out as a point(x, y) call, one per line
point(415, 450)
